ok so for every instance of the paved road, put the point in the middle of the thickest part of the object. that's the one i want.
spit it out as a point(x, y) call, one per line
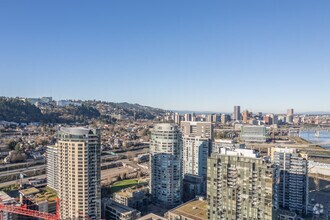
point(18, 171)
point(39, 167)
point(17, 181)
point(104, 173)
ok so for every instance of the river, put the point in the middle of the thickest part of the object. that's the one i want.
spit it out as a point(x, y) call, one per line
point(323, 139)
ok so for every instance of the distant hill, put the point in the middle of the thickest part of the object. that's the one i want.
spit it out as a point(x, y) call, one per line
point(140, 111)
point(17, 110)
point(314, 113)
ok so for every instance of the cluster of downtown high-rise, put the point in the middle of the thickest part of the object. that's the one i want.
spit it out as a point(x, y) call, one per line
point(186, 162)
point(238, 183)
point(178, 161)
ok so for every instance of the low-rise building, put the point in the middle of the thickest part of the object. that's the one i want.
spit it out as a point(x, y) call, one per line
point(285, 215)
point(136, 198)
point(7, 200)
point(250, 133)
point(193, 210)
point(112, 210)
point(36, 200)
point(193, 185)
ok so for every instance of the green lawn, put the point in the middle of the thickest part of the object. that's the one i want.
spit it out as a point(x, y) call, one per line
point(117, 186)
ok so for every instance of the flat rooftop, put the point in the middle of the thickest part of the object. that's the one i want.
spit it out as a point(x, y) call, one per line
point(75, 130)
point(29, 191)
point(5, 197)
point(119, 207)
point(129, 191)
point(196, 209)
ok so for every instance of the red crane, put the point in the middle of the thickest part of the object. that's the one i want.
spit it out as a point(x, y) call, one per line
point(23, 210)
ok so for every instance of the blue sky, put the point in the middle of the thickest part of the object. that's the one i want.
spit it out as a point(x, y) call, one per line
point(186, 55)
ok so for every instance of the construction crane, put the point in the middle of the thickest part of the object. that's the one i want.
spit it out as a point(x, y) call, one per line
point(23, 210)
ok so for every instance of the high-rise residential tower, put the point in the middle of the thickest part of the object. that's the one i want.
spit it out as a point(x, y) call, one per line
point(239, 186)
point(214, 118)
point(197, 143)
point(245, 116)
point(52, 167)
point(165, 165)
point(209, 118)
point(237, 113)
point(290, 180)
point(177, 118)
point(187, 117)
point(290, 112)
point(224, 118)
point(194, 153)
point(79, 183)
point(197, 129)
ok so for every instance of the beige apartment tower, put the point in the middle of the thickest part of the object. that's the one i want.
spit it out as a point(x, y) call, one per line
point(197, 129)
point(79, 185)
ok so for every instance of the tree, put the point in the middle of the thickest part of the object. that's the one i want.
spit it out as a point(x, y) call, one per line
point(17, 157)
point(12, 144)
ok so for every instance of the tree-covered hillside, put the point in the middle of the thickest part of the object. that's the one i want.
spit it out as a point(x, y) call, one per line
point(20, 111)
point(15, 110)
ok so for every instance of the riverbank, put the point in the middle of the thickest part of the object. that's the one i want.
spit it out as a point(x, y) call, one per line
point(315, 152)
point(300, 140)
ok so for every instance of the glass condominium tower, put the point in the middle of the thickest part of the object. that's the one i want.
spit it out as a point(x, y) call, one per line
point(79, 182)
point(165, 165)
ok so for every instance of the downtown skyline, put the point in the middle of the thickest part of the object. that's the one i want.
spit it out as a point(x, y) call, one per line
point(263, 56)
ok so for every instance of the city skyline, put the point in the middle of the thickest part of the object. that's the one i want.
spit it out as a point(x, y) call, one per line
point(204, 57)
point(167, 110)
point(182, 112)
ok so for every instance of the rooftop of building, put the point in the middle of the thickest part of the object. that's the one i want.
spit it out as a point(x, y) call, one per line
point(75, 130)
point(286, 213)
point(151, 216)
point(129, 191)
point(196, 122)
point(239, 152)
point(4, 197)
point(118, 207)
point(165, 127)
point(38, 196)
point(29, 191)
point(48, 195)
point(195, 209)
point(254, 126)
point(283, 150)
